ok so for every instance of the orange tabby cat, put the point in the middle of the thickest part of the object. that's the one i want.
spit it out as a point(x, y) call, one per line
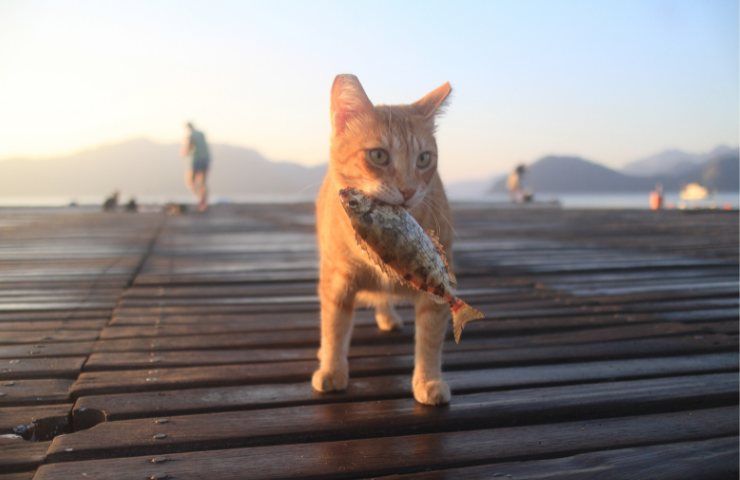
point(390, 153)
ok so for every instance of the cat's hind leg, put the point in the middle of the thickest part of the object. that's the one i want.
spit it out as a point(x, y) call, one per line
point(431, 326)
point(387, 317)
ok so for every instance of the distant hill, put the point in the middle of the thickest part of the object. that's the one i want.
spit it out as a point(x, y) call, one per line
point(553, 174)
point(671, 162)
point(467, 189)
point(143, 167)
point(720, 171)
point(567, 174)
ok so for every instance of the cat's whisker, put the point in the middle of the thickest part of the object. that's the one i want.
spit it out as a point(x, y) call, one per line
point(448, 222)
point(435, 211)
point(309, 186)
point(430, 206)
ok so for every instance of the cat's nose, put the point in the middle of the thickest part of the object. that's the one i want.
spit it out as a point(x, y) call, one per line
point(408, 193)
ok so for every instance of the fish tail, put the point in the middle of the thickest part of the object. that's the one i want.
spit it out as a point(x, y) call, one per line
point(462, 313)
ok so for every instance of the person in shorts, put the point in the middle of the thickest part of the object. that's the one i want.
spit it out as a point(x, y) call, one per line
point(196, 148)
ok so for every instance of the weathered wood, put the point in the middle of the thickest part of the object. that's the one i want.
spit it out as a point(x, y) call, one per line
point(54, 367)
point(17, 455)
point(181, 358)
point(592, 314)
point(25, 337)
point(37, 421)
point(89, 324)
point(277, 294)
point(45, 349)
point(350, 420)
point(139, 327)
point(715, 459)
point(25, 392)
point(33, 316)
point(371, 335)
point(95, 408)
point(377, 456)
point(17, 476)
point(90, 383)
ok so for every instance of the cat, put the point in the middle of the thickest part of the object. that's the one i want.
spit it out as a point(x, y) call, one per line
point(390, 153)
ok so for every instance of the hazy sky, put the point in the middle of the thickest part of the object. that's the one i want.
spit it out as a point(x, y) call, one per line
point(609, 80)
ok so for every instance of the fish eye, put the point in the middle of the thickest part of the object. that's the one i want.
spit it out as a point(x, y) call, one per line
point(353, 203)
point(424, 160)
point(378, 157)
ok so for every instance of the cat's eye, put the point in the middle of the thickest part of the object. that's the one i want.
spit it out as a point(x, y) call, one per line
point(354, 203)
point(424, 160)
point(378, 157)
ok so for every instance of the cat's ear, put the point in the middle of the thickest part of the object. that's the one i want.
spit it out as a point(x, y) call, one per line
point(435, 101)
point(348, 100)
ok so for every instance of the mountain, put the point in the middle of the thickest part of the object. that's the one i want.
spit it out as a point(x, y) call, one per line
point(671, 162)
point(467, 189)
point(720, 171)
point(559, 174)
point(143, 167)
point(567, 174)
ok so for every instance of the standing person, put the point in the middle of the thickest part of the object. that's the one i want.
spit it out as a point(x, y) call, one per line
point(196, 147)
point(656, 197)
point(515, 184)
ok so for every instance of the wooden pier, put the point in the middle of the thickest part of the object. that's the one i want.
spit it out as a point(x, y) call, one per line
point(140, 346)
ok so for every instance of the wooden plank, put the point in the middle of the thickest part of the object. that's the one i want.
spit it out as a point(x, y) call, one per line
point(280, 304)
point(42, 349)
point(536, 306)
point(153, 326)
point(17, 476)
point(25, 392)
point(89, 324)
point(37, 422)
point(371, 335)
point(95, 408)
point(363, 419)
point(669, 304)
point(705, 287)
point(90, 383)
point(32, 316)
point(700, 316)
point(25, 337)
point(308, 300)
point(18, 455)
point(53, 306)
point(641, 277)
point(62, 367)
point(378, 456)
point(715, 459)
point(184, 358)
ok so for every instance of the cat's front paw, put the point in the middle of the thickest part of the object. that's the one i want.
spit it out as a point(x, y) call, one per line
point(388, 322)
point(330, 380)
point(432, 392)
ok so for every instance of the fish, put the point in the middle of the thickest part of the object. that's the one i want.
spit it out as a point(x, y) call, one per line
point(405, 252)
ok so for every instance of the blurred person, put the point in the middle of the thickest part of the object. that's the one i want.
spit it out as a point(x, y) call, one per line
point(111, 202)
point(132, 206)
point(656, 197)
point(515, 185)
point(196, 147)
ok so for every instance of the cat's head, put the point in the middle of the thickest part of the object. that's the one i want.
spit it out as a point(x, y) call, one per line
point(388, 152)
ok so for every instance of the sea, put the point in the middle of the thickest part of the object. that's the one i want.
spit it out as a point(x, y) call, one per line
point(726, 201)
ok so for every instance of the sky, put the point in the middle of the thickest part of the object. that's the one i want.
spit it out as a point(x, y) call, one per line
point(607, 80)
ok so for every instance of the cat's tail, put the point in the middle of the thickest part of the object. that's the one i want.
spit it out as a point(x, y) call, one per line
point(462, 313)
